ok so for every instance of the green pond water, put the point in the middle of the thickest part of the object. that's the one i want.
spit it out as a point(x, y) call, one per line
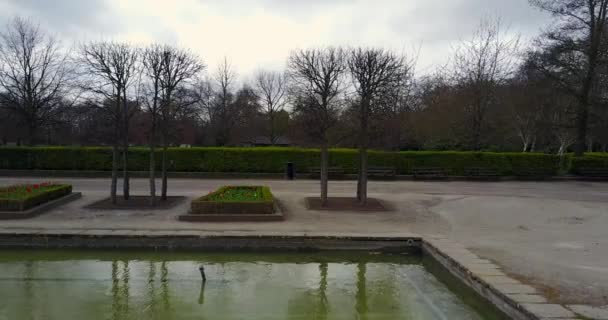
point(140, 285)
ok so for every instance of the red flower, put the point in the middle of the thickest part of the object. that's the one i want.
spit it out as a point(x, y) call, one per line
point(28, 189)
point(36, 186)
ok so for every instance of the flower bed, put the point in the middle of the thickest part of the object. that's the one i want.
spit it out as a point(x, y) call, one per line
point(235, 200)
point(24, 197)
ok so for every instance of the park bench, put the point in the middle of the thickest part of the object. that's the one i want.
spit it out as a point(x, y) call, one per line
point(332, 172)
point(429, 173)
point(593, 172)
point(381, 172)
point(532, 173)
point(481, 173)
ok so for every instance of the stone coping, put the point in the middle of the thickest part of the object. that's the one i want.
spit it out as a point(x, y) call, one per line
point(515, 299)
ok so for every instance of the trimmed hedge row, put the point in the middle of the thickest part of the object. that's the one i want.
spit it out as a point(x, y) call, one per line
point(32, 201)
point(272, 160)
point(590, 161)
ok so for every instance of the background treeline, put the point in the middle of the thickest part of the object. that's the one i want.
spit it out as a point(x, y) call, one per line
point(495, 94)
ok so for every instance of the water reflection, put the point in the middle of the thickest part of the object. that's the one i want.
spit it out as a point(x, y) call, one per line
point(323, 303)
point(361, 305)
point(120, 289)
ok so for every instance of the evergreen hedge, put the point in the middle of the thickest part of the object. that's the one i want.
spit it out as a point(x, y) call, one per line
point(591, 161)
point(273, 159)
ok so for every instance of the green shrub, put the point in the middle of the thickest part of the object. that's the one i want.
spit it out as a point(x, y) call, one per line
point(273, 159)
point(590, 161)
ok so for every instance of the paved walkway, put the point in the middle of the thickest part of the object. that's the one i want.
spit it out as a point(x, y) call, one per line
point(552, 235)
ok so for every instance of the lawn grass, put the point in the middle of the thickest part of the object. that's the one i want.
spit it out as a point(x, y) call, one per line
point(239, 194)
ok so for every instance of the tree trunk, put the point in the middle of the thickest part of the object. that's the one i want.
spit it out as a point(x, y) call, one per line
point(324, 173)
point(125, 173)
point(31, 135)
point(581, 128)
point(363, 176)
point(163, 195)
point(125, 146)
point(114, 172)
point(582, 114)
point(362, 181)
point(152, 168)
point(272, 137)
point(562, 149)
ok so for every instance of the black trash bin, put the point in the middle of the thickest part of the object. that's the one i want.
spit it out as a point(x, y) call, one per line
point(290, 171)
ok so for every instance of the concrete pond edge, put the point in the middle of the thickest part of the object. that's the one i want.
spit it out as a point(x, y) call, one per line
point(514, 299)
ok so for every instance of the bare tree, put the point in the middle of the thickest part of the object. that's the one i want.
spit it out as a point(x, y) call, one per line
point(529, 97)
point(317, 77)
point(178, 67)
point(481, 65)
point(152, 62)
point(270, 89)
point(396, 105)
point(374, 72)
point(110, 69)
point(34, 75)
point(224, 77)
point(562, 128)
point(573, 51)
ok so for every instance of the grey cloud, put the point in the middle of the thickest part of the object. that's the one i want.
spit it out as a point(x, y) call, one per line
point(91, 18)
point(296, 9)
point(68, 16)
point(434, 21)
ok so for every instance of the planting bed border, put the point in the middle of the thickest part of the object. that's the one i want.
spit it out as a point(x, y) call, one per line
point(35, 199)
point(277, 215)
point(41, 208)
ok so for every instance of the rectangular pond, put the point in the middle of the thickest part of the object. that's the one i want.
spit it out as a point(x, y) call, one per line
point(55, 284)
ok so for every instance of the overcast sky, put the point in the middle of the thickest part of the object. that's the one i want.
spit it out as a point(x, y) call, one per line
point(260, 33)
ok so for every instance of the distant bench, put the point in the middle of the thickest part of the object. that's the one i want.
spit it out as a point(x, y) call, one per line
point(429, 173)
point(532, 172)
point(332, 172)
point(593, 172)
point(338, 172)
point(381, 172)
point(481, 173)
